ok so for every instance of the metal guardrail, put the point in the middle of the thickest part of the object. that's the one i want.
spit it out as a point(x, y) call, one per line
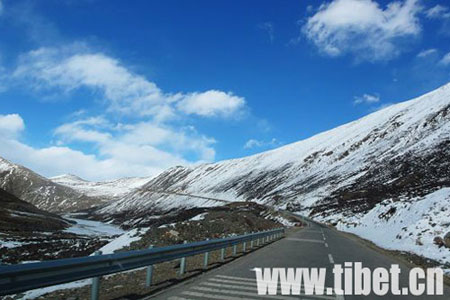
point(23, 277)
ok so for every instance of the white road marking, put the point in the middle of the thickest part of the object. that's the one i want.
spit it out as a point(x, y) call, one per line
point(304, 240)
point(236, 278)
point(246, 288)
point(326, 245)
point(233, 281)
point(229, 286)
point(209, 296)
point(330, 257)
point(231, 292)
point(224, 287)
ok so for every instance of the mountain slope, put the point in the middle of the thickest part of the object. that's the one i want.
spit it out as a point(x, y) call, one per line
point(106, 190)
point(311, 171)
point(399, 154)
point(20, 216)
point(40, 191)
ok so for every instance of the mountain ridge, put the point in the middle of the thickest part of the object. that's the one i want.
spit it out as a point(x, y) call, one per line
point(40, 191)
point(330, 147)
point(384, 162)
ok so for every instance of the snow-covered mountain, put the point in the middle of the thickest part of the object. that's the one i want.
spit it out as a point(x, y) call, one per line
point(17, 216)
point(380, 164)
point(40, 191)
point(106, 190)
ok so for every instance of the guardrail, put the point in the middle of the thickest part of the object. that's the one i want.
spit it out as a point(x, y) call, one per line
point(23, 277)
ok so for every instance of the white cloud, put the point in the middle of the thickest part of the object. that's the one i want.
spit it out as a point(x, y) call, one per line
point(445, 60)
point(211, 103)
point(362, 28)
point(150, 137)
point(140, 149)
point(253, 143)
point(269, 29)
point(74, 67)
point(149, 144)
point(51, 161)
point(425, 53)
point(11, 125)
point(366, 98)
point(437, 12)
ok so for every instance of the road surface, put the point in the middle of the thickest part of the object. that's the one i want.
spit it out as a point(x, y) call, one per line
point(312, 247)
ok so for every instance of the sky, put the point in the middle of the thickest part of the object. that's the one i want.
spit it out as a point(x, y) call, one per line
point(109, 89)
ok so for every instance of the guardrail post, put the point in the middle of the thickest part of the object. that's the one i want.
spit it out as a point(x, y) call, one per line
point(222, 254)
point(149, 275)
point(251, 243)
point(257, 242)
point(234, 250)
point(95, 288)
point(244, 245)
point(183, 263)
point(205, 262)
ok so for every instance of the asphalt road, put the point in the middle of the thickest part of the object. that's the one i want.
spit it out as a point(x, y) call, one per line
point(316, 246)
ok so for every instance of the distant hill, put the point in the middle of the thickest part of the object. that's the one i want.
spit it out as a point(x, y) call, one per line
point(20, 216)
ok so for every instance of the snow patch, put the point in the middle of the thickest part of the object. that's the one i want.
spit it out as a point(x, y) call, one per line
point(92, 228)
point(198, 217)
point(124, 240)
point(407, 226)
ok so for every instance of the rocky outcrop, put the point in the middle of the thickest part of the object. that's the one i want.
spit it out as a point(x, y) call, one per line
point(447, 240)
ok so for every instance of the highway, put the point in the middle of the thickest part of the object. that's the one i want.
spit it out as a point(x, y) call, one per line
point(315, 246)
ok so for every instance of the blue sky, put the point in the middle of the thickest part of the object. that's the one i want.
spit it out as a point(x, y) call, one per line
point(105, 89)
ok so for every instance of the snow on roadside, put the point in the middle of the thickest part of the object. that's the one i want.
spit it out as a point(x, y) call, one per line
point(124, 240)
point(406, 225)
point(198, 217)
point(284, 221)
point(39, 292)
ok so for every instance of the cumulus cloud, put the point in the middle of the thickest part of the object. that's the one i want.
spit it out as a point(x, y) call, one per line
point(141, 149)
point(126, 92)
point(110, 139)
point(144, 143)
point(56, 160)
point(362, 28)
point(11, 125)
point(366, 98)
point(253, 143)
point(211, 103)
point(425, 53)
point(143, 130)
point(438, 12)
